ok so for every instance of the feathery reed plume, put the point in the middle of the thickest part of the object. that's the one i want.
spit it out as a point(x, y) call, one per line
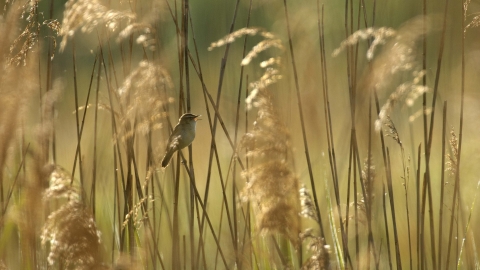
point(419, 113)
point(128, 262)
point(451, 163)
point(379, 36)
point(29, 36)
point(320, 252)
point(272, 73)
point(146, 38)
point(145, 28)
point(61, 186)
point(26, 41)
point(260, 47)
point(271, 76)
point(270, 41)
point(87, 15)
point(398, 55)
point(251, 31)
point(272, 186)
point(71, 231)
point(475, 20)
point(320, 258)
point(308, 206)
point(368, 179)
point(391, 131)
point(134, 213)
point(73, 237)
point(15, 90)
point(142, 98)
point(409, 91)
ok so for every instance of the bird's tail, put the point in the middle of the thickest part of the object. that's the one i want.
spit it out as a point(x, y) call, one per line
point(166, 158)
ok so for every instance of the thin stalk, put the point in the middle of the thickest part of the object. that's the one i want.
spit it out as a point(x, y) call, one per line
point(95, 133)
point(406, 178)
point(385, 218)
point(430, 134)
point(117, 150)
point(355, 207)
point(442, 185)
point(420, 238)
point(367, 205)
point(417, 188)
point(180, 36)
point(10, 192)
point(49, 84)
point(392, 212)
point(386, 160)
point(207, 218)
point(321, 34)
point(185, 53)
point(422, 220)
point(217, 158)
point(460, 137)
point(237, 123)
point(216, 105)
point(78, 153)
point(347, 207)
point(368, 189)
point(116, 202)
point(175, 221)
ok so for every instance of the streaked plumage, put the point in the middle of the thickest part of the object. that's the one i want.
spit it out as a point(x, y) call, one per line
point(182, 136)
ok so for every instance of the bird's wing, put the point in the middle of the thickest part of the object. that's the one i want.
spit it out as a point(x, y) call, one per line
point(174, 142)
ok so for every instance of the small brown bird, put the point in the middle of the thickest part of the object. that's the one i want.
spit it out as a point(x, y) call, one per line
point(182, 136)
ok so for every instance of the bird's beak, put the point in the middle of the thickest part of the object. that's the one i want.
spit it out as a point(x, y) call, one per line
point(197, 118)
